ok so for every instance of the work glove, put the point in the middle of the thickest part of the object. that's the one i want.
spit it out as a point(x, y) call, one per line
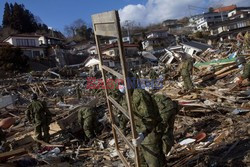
point(238, 80)
point(136, 142)
point(122, 88)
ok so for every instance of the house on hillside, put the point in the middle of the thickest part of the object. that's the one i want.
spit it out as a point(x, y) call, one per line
point(239, 12)
point(230, 26)
point(111, 53)
point(29, 44)
point(154, 44)
point(231, 34)
point(112, 50)
point(206, 20)
point(193, 47)
point(45, 40)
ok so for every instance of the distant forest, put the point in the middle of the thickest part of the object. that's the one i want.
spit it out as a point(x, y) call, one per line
point(18, 19)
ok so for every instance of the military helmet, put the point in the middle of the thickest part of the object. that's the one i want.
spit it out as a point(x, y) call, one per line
point(34, 96)
point(240, 60)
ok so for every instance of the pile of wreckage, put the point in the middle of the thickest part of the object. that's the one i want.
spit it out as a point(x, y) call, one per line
point(212, 128)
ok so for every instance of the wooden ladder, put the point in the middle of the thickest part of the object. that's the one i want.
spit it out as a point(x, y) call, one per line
point(108, 24)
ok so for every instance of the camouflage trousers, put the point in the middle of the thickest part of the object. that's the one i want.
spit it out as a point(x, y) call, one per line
point(88, 126)
point(151, 153)
point(42, 128)
point(168, 142)
point(188, 85)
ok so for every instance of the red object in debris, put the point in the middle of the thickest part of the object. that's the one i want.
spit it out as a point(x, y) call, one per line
point(201, 136)
point(7, 122)
point(183, 103)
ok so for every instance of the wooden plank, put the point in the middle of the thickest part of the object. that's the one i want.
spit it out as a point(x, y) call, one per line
point(6, 155)
point(128, 96)
point(124, 161)
point(220, 96)
point(225, 69)
point(47, 144)
point(106, 91)
point(104, 24)
point(107, 30)
point(105, 17)
point(117, 105)
point(26, 140)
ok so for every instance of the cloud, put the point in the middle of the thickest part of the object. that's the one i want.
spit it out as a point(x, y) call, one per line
point(155, 11)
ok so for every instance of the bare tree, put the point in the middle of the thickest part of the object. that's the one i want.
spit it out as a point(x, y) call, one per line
point(77, 28)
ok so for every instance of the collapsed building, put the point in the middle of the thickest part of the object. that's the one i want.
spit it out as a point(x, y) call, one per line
point(212, 128)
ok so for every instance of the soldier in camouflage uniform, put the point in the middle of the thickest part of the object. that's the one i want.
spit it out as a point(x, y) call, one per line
point(168, 110)
point(241, 61)
point(147, 119)
point(78, 91)
point(87, 120)
point(246, 41)
point(39, 115)
point(186, 72)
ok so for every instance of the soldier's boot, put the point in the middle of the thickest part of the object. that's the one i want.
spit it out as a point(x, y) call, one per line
point(46, 136)
point(38, 132)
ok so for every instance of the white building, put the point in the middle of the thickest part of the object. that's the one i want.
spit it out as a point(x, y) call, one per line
point(45, 40)
point(208, 19)
point(29, 44)
point(193, 47)
point(230, 25)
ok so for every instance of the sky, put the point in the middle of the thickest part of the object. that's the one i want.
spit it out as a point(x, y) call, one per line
point(58, 13)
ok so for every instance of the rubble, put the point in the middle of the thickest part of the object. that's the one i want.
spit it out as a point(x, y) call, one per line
point(212, 128)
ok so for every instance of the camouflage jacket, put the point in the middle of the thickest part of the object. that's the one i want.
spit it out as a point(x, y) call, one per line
point(146, 113)
point(186, 67)
point(246, 71)
point(84, 113)
point(38, 112)
point(167, 109)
